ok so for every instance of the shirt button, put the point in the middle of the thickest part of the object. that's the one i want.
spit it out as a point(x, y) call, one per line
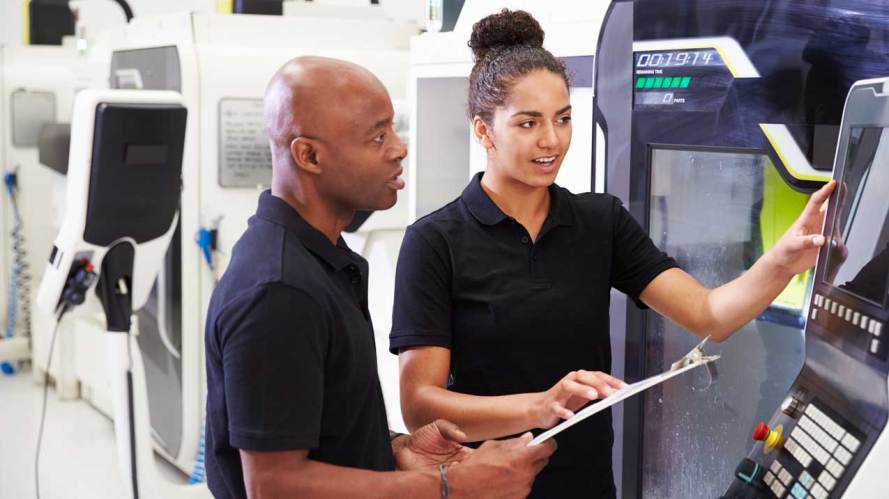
point(525, 239)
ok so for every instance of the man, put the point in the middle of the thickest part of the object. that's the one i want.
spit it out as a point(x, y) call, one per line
point(294, 405)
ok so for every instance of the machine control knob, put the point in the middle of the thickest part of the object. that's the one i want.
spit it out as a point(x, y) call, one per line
point(790, 406)
point(771, 438)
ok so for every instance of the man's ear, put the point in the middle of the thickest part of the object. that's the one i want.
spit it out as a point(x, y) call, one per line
point(304, 152)
point(482, 132)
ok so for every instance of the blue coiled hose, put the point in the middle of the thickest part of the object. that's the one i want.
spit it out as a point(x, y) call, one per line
point(20, 278)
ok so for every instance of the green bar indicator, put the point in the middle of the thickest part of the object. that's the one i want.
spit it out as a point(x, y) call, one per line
point(667, 81)
point(658, 82)
point(640, 82)
point(676, 81)
point(685, 82)
point(649, 82)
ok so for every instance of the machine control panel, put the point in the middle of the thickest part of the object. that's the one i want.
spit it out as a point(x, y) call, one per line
point(821, 447)
point(865, 332)
point(837, 409)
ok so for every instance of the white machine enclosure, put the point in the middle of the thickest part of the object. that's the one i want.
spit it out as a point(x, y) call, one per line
point(123, 362)
point(70, 245)
point(56, 73)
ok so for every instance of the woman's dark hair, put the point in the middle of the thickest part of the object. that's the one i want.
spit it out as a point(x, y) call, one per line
point(505, 46)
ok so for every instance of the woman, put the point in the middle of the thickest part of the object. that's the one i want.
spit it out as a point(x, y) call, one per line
point(502, 296)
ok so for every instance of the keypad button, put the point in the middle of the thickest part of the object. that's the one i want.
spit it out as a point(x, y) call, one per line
point(826, 480)
point(814, 314)
point(855, 318)
point(827, 303)
point(775, 467)
point(874, 346)
point(835, 468)
point(818, 492)
point(798, 491)
point(806, 479)
point(769, 478)
point(778, 489)
point(833, 307)
point(864, 322)
point(848, 315)
point(851, 442)
point(841, 310)
point(878, 329)
point(843, 456)
point(785, 477)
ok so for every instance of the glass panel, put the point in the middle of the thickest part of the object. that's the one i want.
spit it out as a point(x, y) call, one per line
point(858, 261)
point(714, 212)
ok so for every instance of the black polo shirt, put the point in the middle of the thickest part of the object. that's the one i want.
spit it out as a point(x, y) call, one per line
point(519, 315)
point(290, 353)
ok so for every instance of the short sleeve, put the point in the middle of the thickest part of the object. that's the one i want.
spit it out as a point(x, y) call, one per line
point(421, 312)
point(636, 261)
point(273, 354)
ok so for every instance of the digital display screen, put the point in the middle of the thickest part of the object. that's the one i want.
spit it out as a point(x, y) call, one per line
point(144, 155)
point(858, 255)
point(676, 59)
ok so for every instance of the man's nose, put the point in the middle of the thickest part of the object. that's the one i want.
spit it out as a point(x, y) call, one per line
point(400, 151)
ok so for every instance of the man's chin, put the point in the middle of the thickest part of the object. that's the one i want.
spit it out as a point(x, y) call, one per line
point(383, 203)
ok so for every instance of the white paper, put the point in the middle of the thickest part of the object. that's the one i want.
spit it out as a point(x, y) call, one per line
point(618, 396)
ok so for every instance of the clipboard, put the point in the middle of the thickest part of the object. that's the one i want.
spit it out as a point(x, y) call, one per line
point(694, 358)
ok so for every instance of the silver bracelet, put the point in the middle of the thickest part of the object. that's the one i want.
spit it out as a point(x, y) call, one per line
point(444, 481)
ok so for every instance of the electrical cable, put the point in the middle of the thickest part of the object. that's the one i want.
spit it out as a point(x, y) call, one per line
point(52, 344)
point(127, 11)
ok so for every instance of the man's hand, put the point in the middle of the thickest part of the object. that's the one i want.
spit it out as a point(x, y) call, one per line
point(431, 445)
point(499, 469)
point(798, 248)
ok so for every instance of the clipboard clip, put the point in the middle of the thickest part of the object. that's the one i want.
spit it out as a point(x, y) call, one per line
point(696, 356)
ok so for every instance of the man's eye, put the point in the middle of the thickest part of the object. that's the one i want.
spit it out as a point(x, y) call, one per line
point(565, 119)
point(380, 138)
point(526, 124)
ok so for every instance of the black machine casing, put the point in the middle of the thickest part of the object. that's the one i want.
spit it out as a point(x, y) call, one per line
point(804, 56)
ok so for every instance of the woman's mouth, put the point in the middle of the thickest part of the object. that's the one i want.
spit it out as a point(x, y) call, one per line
point(546, 163)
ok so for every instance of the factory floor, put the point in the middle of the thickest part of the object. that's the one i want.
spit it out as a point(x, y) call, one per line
point(78, 457)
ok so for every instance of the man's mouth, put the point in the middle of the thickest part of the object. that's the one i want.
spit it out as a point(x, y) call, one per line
point(396, 182)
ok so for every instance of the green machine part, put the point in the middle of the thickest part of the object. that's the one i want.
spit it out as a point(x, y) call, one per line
point(781, 206)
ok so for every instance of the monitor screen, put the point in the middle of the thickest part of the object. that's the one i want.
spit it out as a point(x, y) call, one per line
point(858, 255)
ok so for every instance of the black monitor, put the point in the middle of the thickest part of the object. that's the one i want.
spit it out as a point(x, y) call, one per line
point(858, 255)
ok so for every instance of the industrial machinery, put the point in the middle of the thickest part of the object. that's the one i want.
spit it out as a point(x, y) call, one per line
point(828, 436)
point(37, 87)
point(720, 118)
point(121, 209)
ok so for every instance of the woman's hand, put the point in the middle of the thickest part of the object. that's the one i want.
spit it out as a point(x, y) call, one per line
point(798, 248)
point(571, 393)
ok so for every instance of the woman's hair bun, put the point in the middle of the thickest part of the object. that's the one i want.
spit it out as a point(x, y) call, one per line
point(504, 29)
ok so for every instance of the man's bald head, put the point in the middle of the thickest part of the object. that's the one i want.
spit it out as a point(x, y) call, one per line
point(310, 95)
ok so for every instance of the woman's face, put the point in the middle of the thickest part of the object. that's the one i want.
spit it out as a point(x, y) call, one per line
point(530, 133)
